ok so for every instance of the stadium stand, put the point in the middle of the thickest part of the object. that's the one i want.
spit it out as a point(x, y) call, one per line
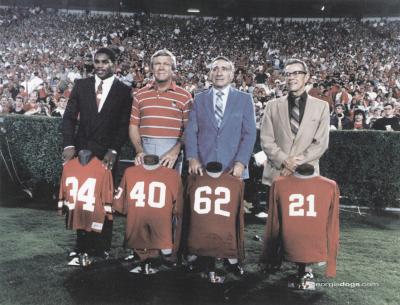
point(353, 62)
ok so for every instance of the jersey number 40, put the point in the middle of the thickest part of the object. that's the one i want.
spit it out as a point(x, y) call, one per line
point(155, 196)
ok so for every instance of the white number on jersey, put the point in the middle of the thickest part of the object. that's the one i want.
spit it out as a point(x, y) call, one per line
point(137, 194)
point(120, 190)
point(202, 205)
point(297, 203)
point(85, 193)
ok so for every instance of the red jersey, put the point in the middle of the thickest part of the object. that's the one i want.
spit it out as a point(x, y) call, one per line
point(216, 216)
point(152, 201)
point(303, 219)
point(87, 191)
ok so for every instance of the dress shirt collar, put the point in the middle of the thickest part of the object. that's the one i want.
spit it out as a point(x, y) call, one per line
point(225, 91)
point(303, 98)
point(106, 82)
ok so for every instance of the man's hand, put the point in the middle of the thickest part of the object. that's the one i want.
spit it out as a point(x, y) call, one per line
point(291, 163)
point(169, 158)
point(139, 158)
point(237, 170)
point(68, 153)
point(285, 172)
point(195, 167)
point(109, 159)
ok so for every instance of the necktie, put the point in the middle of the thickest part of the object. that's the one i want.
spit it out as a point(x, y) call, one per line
point(295, 116)
point(219, 113)
point(99, 92)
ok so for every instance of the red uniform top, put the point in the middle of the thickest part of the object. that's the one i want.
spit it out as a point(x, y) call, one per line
point(216, 221)
point(152, 201)
point(303, 219)
point(87, 191)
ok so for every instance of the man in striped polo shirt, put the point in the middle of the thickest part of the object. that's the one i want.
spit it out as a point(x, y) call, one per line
point(159, 114)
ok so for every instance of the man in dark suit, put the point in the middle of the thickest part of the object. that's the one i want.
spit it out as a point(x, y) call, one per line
point(103, 104)
point(221, 124)
point(100, 106)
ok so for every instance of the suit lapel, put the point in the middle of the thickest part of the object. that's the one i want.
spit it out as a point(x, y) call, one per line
point(108, 102)
point(105, 110)
point(209, 105)
point(92, 96)
point(230, 106)
point(306, 118)
point(283, 109)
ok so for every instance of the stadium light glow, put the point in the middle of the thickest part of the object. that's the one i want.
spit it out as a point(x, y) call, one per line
point(193, 10)
point(323, 8)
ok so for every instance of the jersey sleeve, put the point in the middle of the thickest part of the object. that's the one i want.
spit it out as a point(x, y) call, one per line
point(119, 202)
point(240, 224)
point(270, 255)
point(61, 192)
point(178, 215)
point(186, 213)
point(333, 234)
point(107, 192)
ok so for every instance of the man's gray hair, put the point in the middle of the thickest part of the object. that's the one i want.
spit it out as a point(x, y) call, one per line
point(220, 57)
point(292, 61)
point(164, 52)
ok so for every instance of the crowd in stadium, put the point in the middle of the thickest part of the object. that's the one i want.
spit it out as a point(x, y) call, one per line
point(352, 63)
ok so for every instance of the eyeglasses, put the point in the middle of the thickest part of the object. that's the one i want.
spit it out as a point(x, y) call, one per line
point(294, 73)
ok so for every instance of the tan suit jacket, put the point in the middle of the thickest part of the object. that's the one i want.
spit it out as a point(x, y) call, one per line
point(279, 143)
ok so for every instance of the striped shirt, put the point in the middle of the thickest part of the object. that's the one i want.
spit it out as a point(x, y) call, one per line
point(161, 114)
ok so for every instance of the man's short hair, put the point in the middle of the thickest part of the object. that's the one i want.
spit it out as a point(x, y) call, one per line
point(292, 61)
point(339, 105)
point(110, 53)
point(164, 52)
point(221, 57)
point(388, 104)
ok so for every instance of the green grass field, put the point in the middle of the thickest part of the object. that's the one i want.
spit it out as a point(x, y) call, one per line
point(34, 245)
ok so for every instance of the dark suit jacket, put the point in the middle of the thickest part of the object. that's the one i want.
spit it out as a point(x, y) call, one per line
point(97, 131)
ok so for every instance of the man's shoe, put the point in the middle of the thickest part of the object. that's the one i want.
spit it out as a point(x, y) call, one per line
point(236, 269)
point(144, 269)
point(84, 260)
point(74, 261)
point(72, 254)
point(213, 278)
point(261, 215)
point(105, 255)
point(305, 282)
point(130, 256)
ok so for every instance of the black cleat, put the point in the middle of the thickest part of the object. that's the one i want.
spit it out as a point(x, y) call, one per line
point(236, 269)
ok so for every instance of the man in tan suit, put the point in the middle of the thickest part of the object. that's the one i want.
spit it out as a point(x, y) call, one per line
point(295, 128)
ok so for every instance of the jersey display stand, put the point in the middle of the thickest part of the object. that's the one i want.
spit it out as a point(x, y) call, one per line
point(86, 192)
point(150, 196)
point(214, 226)
point(303, 227)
